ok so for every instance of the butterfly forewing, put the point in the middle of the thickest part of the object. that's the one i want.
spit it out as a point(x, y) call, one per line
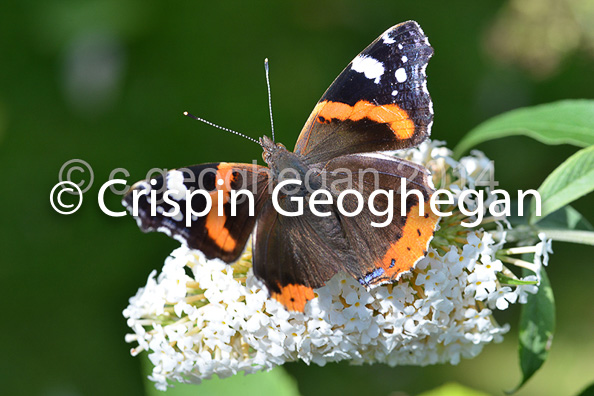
point(379, 102)
point(217, 235)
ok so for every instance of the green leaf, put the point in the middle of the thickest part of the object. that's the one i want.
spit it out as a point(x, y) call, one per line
point(563, 122)
point(537, 325)
point(571, 180)
point(566, 218)
point(589, 391)
point(275, 382)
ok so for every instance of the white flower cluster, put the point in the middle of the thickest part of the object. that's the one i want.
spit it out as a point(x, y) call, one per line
point(202, 317)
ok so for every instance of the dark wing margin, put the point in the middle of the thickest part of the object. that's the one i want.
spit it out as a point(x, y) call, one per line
point(379, 102)
point(218, 236)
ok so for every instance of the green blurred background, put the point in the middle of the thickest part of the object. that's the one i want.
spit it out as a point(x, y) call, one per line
point(107, 81)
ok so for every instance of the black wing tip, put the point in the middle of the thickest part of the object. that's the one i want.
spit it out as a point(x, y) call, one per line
point(409, 25)
point(405, 31)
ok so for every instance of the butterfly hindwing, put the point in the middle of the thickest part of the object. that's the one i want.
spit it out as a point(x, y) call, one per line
point(385, 251)
point(379, 102)
point(294, 255)
point(217, 235)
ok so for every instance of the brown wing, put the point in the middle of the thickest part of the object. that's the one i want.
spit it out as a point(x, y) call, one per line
point(294, 255)
point(383, 253)
point(379, 102)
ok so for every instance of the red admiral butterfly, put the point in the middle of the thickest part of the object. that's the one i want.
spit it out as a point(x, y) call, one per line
point(378, 103)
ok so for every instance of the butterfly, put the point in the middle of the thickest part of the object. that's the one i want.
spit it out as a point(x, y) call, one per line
point(378, 103)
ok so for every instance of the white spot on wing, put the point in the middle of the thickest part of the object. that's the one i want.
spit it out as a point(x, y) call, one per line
point(180, 239)
point(387, 39)
point(179, 216)
point(424, 70)
point(400, 46)
point(404, 59)
point(394, 92)
point(401, 75)
point(370, 67)
point(426, 91)
point(164, 230)
point(175, 184)
point(429, 131)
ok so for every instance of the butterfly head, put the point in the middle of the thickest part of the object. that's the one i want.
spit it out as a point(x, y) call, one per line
point(271, 149)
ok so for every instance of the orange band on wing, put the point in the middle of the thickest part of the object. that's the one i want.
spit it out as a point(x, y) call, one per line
point(294, 297)
point(391, 114)
point(412, 245)
point(215, 224)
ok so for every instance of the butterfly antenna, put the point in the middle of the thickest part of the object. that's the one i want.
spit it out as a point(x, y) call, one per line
point(220, 127)
point(269, 96)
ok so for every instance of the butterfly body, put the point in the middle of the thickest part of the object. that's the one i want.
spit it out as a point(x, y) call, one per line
point(282, 162)
point(379, 102)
